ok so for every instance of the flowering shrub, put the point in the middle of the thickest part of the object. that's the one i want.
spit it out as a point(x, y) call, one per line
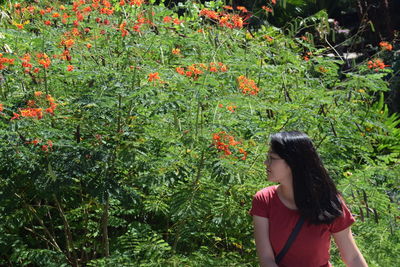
point(133, 134)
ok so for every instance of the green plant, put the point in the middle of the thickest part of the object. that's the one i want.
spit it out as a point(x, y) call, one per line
point(131, 135)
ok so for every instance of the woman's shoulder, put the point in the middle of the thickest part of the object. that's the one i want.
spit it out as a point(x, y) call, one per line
point(343, 221)
point(262, 201)
point(267, 192)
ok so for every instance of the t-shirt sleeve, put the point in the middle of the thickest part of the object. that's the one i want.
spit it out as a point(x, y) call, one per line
point(260, 205)
point(343, 221)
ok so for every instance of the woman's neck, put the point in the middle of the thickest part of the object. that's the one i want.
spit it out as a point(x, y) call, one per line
point(286, 194)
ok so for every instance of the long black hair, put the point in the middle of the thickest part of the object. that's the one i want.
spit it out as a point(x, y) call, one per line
point(315, 194)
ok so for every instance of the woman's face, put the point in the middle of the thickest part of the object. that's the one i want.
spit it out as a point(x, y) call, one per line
point(278, 170)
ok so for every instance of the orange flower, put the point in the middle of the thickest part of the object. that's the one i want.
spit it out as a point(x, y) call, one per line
point(4, 60)
point(209, 14)
point(197, 71)
point(180, 70)
point(231, 108)
point(220, 105)
point(1, 107)
point(224, 19)
point(68, 43)
point(386, 46)
point(242, 151)
point(167, 19)
point(53, 105)
point(31, 9)
point(50, 98)
point(213, 69)
point(177, 21)
point(38, 93)
point(232, 141)
point(267, 9)
point(192, 67)
point(15, 117)
point(26, 61)
point(32, 112)
point(224, 142)
point(107, 11)
point(223, 68)
point(43, 60)
point(47, 22)
point(87, 9)
point(237, 21)
point(176, 51)
point(75, 32)
point(377, 64)
point(95, 5)
point(268, 38)
point(304, 38)
point(247, 86)
point(70, 68)
point(227, 7)
point(106, 3)
point(122, 2)
point(124, 32)
point(35, 141)
point(216, 136)
point(65, 55)
point(153, 76)
point(88, 46)
point(322, 69)
point(242, 8)
point(136, 2)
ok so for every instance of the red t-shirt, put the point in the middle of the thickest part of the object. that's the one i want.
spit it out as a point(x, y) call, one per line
point(312, 244)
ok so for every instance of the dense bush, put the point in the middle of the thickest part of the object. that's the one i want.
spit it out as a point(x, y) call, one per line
point(131, 136)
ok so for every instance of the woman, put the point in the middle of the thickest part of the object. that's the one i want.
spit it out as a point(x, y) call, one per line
point(305, 190)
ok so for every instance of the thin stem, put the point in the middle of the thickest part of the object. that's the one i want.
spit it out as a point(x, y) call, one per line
point(68, 235)
point(51, 238)
point(104, 227)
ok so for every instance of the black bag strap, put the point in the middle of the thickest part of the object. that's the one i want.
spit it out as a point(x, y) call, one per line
point(290, 240)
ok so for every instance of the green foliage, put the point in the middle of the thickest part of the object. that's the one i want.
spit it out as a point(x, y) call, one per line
point(124, 165)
